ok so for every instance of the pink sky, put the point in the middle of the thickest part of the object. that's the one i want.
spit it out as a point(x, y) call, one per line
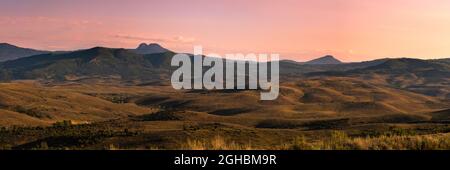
point(351, 30)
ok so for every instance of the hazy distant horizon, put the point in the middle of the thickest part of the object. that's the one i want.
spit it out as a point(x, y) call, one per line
point(297, 59)
point(300, 30)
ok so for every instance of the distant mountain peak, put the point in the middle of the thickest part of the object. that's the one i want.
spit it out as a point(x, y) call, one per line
point(328, 59)
point(151, 48)
point(328, 56)
point(142, 45)
point(11, 52)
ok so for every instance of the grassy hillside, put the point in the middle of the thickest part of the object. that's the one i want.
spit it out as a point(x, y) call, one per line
point(31, 104)
point(92, 62)
point(429, 77)
point(315, 99)
point(70, 115)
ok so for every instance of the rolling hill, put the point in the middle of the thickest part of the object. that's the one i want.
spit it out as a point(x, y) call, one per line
point(430, 77)
point(31, 104)
point(11, 52)
point(96, 61)
point(299, 101)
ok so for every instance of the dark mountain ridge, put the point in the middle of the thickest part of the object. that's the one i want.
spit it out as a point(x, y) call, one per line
point(151, 48)
point(11, 52)
point(129, 64)
point(328, 59)
point(98, 61)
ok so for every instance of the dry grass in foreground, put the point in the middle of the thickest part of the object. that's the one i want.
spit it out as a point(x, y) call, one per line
point(340, 141)
point(216, 143)
point(337, 141)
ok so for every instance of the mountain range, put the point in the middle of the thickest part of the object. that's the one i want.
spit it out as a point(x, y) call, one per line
point(21, 60)
point(143, 62)
point(151, 62)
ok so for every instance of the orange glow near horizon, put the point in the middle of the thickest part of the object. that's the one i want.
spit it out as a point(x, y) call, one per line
point(351, 30)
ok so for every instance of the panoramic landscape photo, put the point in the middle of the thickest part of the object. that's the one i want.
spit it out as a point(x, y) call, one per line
point(316, 75)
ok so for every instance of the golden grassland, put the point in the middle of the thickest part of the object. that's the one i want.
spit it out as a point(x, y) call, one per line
point(337, 141)
point(340, 141)
point(137, 135)
point(316, 113)
point(311, 99)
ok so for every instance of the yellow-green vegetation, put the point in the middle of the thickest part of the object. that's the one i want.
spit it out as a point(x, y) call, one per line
point(142, 134)
point(341, 141)
point(338, 140)
point(216, 143)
